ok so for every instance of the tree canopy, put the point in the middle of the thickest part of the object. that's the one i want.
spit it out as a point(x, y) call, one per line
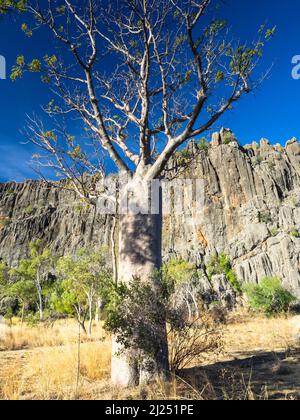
point(143, 76)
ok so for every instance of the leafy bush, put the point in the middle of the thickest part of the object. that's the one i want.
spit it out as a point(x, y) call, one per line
point(221, 264)
point(3, 273)
point(264, 217)
point(184, 157)
point(29, 210)
point(179, 271)
point(132, 310)
point(269, 297)
point(274, 231)
point(9, 191)
point(140, 314)
point(228, 138)
point(295, 233)
point(204, 145)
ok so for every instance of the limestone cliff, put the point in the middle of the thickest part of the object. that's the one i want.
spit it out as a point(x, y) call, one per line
point(251, 212)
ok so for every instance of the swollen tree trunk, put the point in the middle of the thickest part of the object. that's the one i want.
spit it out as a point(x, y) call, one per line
point(113, 251)
point(140, 257)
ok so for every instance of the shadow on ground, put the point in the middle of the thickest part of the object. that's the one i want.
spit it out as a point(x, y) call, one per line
point(260, 376)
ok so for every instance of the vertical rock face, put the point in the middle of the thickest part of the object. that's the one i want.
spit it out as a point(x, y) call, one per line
point(251, 211)
point(33, 210)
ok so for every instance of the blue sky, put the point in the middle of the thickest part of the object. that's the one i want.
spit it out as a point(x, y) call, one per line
point(272, 112)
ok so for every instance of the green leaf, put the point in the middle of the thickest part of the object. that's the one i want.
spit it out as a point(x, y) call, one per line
point(219, 76)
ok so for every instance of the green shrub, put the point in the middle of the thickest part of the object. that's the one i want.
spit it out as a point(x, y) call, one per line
point(137, 315)
point(204, 145)
point(264, 217)
point(221, 264)
point(179, 271)
point(29, 210)
point(274, 232)
point(295, 233)
point(184, 157)
point(9, 191)
point(269, 297)
point(228, 138)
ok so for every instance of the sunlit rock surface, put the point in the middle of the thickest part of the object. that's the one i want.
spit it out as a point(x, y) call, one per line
point(251, 212)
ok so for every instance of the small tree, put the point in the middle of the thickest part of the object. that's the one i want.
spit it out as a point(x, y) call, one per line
point(6, 300)
point(3, 274)
point(83, 279)
point(185, 278)
point(25, 293)
point(35, 270)
point(269, 297)
point(221, 264)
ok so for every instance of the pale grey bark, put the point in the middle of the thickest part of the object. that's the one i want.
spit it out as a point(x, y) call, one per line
point(114, 250)
point(98, 310)
point(140, 254)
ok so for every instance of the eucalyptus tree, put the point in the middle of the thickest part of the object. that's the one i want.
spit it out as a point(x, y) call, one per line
point(142, 77)
point(34, 271)
point(83, 279)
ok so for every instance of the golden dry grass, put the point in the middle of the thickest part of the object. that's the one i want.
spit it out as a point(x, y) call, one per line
point(51, 373)
point(41, 362)
point(61, 333)
point(45, 363)
point(246, 333)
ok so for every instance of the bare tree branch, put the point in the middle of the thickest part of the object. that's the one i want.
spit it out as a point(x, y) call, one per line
point(176, 73)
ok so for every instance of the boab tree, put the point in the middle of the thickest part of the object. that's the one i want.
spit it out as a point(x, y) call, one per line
point(144, 77)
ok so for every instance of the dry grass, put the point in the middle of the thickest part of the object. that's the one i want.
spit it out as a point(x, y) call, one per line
point(45, 365)
point(41, 362)
point(51, 373)
point(246, 333)
point(62, 333)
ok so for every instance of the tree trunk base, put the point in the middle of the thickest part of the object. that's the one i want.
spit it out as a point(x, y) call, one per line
point(124, 374)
